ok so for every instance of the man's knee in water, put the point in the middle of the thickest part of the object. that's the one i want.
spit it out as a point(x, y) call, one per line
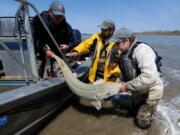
point(145, 114)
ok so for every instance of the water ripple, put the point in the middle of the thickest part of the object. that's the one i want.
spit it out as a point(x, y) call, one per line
point(169, 114)
point(171, 73)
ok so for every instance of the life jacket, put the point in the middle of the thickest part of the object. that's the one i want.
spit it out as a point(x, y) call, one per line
point(129, 66)
point(94, 45)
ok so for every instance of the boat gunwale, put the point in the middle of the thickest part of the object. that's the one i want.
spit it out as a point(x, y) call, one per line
point(16, 97)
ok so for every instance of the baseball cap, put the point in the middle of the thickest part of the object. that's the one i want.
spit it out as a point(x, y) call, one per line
point(107, 24)
point(57, 8)
point(122, 33)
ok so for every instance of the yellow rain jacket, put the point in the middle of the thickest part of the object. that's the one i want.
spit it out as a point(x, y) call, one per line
point(111, 73)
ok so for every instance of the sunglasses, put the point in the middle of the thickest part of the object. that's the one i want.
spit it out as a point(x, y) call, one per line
point(105, 29)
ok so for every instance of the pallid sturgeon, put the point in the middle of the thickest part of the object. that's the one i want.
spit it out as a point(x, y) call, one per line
point(94, 92)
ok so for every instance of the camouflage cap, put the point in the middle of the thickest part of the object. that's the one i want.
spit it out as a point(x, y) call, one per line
point(122, 33)
point(107, 24)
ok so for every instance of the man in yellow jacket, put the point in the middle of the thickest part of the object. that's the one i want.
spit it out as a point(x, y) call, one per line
point(102, 50)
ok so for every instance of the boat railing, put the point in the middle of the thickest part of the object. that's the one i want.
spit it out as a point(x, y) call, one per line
point(22, 64)
point(13, 66)
point(10, 25)
point(21, 32)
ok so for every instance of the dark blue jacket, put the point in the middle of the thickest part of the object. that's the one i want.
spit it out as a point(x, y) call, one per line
point(77, 37)
point(62, 33)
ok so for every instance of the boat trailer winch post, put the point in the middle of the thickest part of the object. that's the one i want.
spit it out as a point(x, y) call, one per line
point(25, 2)
point(18, 32)
point(23, 9)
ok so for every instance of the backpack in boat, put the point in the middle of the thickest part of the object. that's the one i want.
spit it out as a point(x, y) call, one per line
point(157, 60)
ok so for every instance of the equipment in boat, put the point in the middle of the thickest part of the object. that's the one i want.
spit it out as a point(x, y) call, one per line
point(26, 102)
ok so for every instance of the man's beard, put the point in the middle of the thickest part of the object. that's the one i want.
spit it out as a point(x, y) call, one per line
point(123, 50)
point(106, 36)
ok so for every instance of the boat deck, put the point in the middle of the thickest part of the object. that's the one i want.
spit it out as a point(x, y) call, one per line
point(7, 88)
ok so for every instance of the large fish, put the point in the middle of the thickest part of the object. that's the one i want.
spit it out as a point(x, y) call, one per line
point(94, 92)
point(97, 92)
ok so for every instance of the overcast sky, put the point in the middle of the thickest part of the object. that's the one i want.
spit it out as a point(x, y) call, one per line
point(86, 15)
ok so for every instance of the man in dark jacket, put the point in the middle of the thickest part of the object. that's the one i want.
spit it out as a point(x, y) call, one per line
point(60, 29)
point(77, 37)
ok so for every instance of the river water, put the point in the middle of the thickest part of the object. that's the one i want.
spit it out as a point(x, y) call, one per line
point(81, 118)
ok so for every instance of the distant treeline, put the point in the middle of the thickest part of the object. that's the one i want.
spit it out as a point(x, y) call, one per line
point(7, 28)
point(175, 32)
point(86, 34)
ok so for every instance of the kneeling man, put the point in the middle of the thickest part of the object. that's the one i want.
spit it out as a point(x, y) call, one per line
point(140, 67)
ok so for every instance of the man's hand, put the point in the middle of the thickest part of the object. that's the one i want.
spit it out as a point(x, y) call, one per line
point(64, 47)
point(123, 87)
point(49, 53)
point(73, 54)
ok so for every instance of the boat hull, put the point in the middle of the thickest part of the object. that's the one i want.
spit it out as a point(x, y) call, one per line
point(27, 108)
point(27, 117)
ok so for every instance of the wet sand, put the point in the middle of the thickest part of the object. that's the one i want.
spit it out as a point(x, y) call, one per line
point(81, 118)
